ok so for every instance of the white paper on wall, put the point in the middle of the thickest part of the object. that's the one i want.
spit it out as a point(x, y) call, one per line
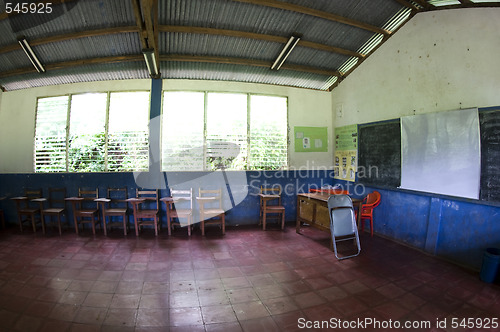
point(441, 153)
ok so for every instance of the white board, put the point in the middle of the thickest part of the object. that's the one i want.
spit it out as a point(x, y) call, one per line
point(440, 153)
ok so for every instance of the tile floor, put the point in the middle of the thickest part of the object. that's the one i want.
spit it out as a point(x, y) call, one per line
point(248, 280)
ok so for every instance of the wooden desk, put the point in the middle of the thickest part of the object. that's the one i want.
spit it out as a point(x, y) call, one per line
point(312, 208)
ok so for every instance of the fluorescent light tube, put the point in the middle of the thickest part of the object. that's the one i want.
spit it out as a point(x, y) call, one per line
point(31, 55)
point(285, 52)
point(149, 56)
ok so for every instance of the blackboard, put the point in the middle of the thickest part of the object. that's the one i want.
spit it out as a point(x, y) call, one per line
point(379, 153)
point(489, 123)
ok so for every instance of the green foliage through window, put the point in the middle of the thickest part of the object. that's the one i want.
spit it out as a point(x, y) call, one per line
point(95, 132)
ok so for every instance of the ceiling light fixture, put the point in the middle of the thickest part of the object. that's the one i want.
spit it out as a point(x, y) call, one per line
point(285, 52)
point(149, 56)
point(31, 55)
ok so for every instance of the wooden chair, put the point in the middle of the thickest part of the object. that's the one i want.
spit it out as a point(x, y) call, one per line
point(180, 208)
point(28, 211)
point(146, 212)
point(214, 214)
point(57, 206)
point(371, 201)
point(270, 204)
point(86, 210)
point(115, 205)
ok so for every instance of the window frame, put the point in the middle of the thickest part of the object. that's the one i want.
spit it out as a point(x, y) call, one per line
point(248, 110)
point(68, 129)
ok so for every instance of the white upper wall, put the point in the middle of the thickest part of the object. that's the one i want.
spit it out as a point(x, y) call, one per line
point(17, 115)
point(438, 61)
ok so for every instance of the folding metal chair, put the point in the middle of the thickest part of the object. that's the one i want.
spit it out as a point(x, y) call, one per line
point(342, 222)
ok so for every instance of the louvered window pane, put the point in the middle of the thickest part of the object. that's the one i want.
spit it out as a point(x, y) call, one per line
point(128, 131)
point(268, 133)
point(87, 143)
point(182, 131)
point(226, 131)
point(50, 134)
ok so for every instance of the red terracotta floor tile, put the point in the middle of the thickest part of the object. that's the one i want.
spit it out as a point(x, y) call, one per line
point(247, 280)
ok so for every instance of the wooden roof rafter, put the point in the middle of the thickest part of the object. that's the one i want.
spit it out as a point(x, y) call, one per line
point(170, 57)
point(182, 29)
point(258, 36)
point(247, 62)
point(146, 16)
point(317, 13)
point(74, 35)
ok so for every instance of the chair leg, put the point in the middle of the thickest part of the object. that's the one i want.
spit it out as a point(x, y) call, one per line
point(169, 227)
point(75, 219)
point(42, 221)
point(283, 220)
point(33, 222)
point(104, 226)
point(203, 228)
point(189, 226)
point(264, 221)
point(59, 223)
point(125, 224)
point(155, 220)
point(93, 225)
point(20, 219)
point(223, 224)
point(136, 227)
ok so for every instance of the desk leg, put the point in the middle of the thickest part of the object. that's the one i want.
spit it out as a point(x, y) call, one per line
point(297, 226)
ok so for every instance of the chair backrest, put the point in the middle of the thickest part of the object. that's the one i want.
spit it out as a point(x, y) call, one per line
point(342, 217)
point(56, 197)
point(88, 195)
point(276, 190)
point(217, 193)
point(151, 196)
point(371, 200)
point(182, 197)
point(118, 197)
point(32, 194)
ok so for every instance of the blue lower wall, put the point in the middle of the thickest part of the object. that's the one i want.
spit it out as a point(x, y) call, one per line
point(458, 230)
point(244, 184)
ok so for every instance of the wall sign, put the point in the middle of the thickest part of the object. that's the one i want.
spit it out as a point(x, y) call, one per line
point(311, 139)
point(346, 152)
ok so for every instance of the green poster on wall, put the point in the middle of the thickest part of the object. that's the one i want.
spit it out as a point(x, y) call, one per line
point(311, 139)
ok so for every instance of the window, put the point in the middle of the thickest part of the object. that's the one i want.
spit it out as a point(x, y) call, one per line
point(87, 133)
point(50, 134)
point(268, 133)
point(226, 135)
point(128, 131)
point(92, 132)
point(209, 131)
point(182, 131)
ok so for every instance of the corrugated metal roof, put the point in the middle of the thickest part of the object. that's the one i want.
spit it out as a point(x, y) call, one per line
point(268, 20)
point(228, 72)
point(86, 73)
